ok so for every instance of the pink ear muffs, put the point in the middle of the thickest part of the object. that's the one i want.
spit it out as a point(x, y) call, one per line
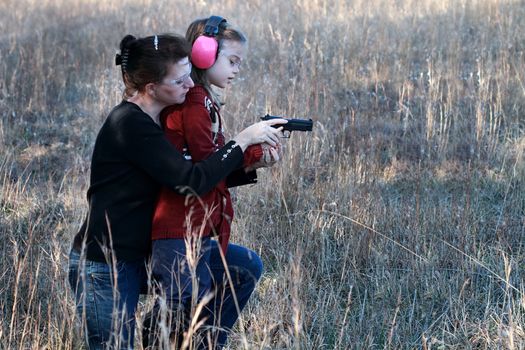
point(204, 52)
point(205, 48)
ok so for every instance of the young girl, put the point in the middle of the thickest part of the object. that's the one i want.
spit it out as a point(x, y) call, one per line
point(196, 129)
point(131, 160)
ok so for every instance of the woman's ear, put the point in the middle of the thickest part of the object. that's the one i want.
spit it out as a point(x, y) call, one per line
point(151, 89)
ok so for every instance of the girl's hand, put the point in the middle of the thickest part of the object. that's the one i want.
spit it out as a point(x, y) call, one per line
point(261, 132)
point(270, 156)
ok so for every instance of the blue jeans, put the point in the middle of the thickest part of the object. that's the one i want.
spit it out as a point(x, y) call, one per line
point(106, 305)
point(171, 269)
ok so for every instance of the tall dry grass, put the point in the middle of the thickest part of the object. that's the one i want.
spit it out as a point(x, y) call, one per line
point(398, 223)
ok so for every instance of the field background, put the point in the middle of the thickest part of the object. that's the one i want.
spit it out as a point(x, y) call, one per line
point(398, 223)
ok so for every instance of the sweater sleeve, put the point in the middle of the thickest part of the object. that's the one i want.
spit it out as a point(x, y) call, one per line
point(240, 177)
point(252, 155)
point(144, 144)
point(196, 123)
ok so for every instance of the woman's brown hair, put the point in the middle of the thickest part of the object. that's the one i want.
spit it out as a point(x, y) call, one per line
point(147, 60)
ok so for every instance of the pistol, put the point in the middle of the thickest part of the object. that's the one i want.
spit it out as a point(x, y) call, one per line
point(293, 124)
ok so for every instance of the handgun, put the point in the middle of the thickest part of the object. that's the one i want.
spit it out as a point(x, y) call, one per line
point(293, 124)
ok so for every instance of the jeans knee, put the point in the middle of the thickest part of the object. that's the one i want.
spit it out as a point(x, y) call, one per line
point(255, 266)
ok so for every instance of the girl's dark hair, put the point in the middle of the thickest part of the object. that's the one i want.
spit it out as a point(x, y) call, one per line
point(147, 60)
point(226, 32)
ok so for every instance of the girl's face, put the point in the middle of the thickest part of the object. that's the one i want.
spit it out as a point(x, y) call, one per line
point(227, 64)
point(173, 88)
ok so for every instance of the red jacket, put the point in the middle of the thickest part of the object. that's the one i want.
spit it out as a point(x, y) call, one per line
point(195, 128)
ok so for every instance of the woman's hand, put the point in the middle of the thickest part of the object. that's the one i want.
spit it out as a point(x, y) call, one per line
point(261, 132)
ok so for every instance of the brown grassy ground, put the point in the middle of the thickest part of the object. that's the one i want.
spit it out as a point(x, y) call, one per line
point(398, 223)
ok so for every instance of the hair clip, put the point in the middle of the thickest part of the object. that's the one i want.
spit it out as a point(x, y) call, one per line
point(122, 59)
point(118, 59)
point(156, 43)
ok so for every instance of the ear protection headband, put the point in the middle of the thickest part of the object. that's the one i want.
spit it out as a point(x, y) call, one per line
point(205, 48)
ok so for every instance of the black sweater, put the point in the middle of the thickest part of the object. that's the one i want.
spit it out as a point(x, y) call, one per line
point(131, 160)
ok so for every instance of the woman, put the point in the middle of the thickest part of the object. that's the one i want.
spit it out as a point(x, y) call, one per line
point(131, 160)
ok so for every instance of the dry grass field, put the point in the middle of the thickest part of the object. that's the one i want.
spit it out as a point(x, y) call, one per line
point(399, 223)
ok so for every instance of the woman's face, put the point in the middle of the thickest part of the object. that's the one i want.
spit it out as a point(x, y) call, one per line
point(227, 64)
point(173, 88)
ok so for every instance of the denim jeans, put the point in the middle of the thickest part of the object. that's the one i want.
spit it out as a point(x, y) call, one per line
point(106, 305)
point(170, 269)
